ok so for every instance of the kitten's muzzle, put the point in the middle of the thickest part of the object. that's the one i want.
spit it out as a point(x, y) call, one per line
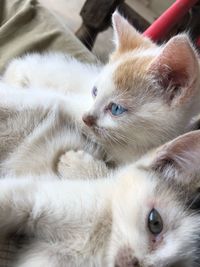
point(133, 263)
point(125, 258)
point(89, 120)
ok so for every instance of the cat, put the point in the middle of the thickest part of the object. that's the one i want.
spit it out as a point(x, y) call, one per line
point(145, 95)
point(143, 215)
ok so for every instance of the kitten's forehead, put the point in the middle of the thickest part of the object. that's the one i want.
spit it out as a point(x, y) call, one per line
point(132, 68)
point(144, 185)
point(104, 82)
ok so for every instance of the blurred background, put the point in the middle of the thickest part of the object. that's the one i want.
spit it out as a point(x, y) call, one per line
point(95, 14)
point(69, 12)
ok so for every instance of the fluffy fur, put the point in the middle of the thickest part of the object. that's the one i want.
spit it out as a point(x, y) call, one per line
point(104, 222)
point(36, 129)
point(157, 85)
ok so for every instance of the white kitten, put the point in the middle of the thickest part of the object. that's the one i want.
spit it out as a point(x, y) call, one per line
point(140, 217)
point(145, 95)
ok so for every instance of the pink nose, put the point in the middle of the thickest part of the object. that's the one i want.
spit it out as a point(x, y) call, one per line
point(89, 120)
point(128, 263)
point(126, 258)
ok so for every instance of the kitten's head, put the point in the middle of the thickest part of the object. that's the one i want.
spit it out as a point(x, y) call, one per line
point(146, 94)
point(155, 208)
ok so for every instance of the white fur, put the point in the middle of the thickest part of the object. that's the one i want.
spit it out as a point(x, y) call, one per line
point(52, 71)
point(91, 223)
point(37, 128)
point(87, 223)
point(75, 104)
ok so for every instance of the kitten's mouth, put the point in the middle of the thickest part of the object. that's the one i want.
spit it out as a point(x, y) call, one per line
point(98, 131)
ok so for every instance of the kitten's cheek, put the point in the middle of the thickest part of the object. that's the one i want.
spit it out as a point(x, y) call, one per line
point(107, 122)
point(156, 241)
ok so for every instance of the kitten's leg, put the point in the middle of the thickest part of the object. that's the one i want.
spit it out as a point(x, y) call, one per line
point(42, 254)
point(20, 99)
point(81, 165)
point(24, 208)
point(20, 71)
point(41, 208)
point(21, 114)
point(52, 71)
point(16, 204)
point(26, 118)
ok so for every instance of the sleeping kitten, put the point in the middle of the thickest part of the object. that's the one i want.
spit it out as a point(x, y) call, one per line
point(142, 216)
point(145, 95)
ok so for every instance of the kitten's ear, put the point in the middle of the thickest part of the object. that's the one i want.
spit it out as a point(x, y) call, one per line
point(179, 159)
point(176, 69)
point(125, 35)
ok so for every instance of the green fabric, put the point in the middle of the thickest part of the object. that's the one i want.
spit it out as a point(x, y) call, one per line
point(27, 26)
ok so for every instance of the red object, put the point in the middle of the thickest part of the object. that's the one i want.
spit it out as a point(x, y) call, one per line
point(168, 19)
point(198, 41)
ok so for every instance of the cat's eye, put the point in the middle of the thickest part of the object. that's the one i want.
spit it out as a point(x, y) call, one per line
point(116, 109)
point(155, 223)
point(94, 91)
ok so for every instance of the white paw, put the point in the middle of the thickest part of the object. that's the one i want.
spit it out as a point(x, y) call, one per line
point(74, 163)
point(73, 158)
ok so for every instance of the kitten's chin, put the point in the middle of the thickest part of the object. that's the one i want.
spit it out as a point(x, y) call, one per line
point(101, 134)
point(98, 131)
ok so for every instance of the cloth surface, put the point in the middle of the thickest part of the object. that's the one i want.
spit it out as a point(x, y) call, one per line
point(26, 26)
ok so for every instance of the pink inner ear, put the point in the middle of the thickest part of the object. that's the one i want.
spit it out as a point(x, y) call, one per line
point(117, 21)
point(177, 63)
point(187, 153)
point(182, 155)
point(126, 36)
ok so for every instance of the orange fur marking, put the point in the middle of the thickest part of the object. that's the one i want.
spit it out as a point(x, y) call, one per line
point(131, 73)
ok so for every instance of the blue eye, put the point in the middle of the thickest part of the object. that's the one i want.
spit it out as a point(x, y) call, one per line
point(155, 223)
point(117, 110)
point(94, 91)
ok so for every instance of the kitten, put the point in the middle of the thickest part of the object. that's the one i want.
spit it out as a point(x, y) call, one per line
point(142, 216)
point(144, 98)
point(145, 95)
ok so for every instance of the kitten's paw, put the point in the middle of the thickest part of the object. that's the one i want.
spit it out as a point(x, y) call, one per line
point(80, 165)
point(15, 74)
point(73, 158)
point(74, 162)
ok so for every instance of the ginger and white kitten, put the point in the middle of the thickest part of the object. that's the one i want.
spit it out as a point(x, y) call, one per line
point(145, 95)
point(140, 217)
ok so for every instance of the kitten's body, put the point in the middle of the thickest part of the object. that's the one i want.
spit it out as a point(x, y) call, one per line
point(53, 71)
point(36, 129)
point(157, 85)
point(105, 222)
